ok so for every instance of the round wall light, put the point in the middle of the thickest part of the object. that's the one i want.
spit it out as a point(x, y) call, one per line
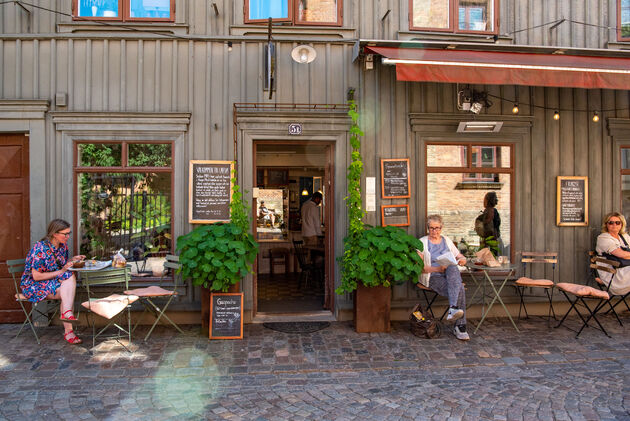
point(303, 54)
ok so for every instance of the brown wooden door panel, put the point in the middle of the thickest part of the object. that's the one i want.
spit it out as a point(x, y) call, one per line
point(14, 218)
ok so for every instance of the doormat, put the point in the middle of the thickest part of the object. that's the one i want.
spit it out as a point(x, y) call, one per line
point(297, 327)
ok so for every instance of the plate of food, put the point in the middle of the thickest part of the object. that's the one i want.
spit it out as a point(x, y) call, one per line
point(93, 264)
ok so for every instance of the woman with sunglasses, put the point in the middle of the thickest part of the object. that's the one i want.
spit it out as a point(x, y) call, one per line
point(616, 242)
point(47, 275)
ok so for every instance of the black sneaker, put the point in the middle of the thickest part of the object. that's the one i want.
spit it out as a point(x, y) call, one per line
point(460, 333)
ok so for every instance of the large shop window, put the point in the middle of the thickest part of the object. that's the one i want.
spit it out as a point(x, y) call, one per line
point(459, 175)
point(124, 201)
point(296, 12)
point(623, 20)
point(459, 16)
point(625, 182)
point(124, 10)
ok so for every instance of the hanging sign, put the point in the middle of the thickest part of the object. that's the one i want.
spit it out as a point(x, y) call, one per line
point(226, 315)
point(572, 201)
point(209, 191)
point(395, 178)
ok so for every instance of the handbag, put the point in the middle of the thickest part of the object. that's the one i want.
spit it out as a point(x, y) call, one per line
point(622, 262)
point(424, 327)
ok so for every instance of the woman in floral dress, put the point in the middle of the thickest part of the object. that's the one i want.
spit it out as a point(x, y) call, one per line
point(46, 274)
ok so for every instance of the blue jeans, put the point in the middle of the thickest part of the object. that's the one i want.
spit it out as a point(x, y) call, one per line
point(449, 284)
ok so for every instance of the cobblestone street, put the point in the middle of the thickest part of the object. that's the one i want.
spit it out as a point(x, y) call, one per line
point(334, 373)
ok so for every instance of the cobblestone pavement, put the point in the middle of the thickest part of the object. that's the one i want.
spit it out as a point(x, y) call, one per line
point(334, 373)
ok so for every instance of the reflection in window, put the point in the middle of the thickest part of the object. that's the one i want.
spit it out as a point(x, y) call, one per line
point(624, 18)
point(149, 155)
point(446, 156)
point(265, 9)
point(100, 154)
point(150, 9)
point(125, 10)
point(305, 12)
point(98, 8)
point(470, 15)
point(317, 11)
point(431, 14)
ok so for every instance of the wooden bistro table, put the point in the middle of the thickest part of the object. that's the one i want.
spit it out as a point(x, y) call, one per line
point(487, 288)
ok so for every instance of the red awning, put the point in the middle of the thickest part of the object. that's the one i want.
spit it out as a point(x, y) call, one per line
point(506, 68)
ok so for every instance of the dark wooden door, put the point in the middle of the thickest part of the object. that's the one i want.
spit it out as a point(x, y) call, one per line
point(14, 218)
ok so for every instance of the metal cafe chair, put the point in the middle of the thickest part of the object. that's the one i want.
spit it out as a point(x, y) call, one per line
point(595, 265)
point(149, 294)
point(429, 296)
point(577, 294)
point(109, 306)
point(529, 258)
point(16, 268)
point(307, 270)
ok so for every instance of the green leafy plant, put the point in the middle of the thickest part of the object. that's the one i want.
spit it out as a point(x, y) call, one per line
point(375, 256)
point(490, 242)
point(218, 255)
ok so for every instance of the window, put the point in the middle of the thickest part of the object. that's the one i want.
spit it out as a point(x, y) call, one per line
point(625, 182)
point(623, 20)
point(459, 16)
point(458, 176)
point(124, 201)
point(124, 10)
point(296, 12)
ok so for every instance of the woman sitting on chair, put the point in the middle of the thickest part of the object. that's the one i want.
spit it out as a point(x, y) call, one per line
point(615, 242)
point(46, 274)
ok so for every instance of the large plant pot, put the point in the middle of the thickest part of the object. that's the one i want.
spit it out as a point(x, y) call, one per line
point(372, 309)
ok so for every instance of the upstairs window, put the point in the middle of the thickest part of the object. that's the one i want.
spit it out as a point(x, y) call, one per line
point(458, 16)
point(623, 20)
point(124, 10)
point(294, 12)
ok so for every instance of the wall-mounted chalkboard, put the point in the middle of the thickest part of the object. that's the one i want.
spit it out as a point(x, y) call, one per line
point(226, 315)
point(572, 201)
point(209, 191)
point(395, 178)
point(396, 215)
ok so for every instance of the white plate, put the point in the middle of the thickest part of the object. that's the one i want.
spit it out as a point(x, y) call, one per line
point(98, 266)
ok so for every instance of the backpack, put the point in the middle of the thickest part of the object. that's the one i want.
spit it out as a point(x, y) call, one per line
point(425, 327)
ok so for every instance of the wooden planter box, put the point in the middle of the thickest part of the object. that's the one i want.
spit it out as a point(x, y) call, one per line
point(372, 309)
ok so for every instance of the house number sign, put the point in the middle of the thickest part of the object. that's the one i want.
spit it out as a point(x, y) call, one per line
point(295, 128)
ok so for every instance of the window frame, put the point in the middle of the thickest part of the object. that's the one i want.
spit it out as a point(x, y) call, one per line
point(479, 161)
point(125, 7)
point(468, 168)
point(293, 18)
point(123, 168)
point(454, 18)
point(620, 37)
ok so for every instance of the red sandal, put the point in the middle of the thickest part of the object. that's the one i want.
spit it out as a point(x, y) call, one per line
point(75, 340)
point(70, 319)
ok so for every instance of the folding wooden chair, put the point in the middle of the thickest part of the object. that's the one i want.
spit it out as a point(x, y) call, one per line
point(577, 295)
point(16, 269)
point(429, 296)
point(109, 306)
point(147, 295)
point(528, 258)
point(597, 263)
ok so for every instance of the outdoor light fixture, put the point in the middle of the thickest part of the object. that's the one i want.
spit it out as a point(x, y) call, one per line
point(304, 192)
point(515, 108)
point(476, 107)
point(556, 115)
point(229, 43)
point(303, 54)
point(473, 101)
point(595, 117)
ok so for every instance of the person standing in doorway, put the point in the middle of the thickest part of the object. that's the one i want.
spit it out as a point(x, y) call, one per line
point(311, 221)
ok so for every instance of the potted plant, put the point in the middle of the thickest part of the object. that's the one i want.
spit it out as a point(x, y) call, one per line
point(217, 256)
point(375, 258)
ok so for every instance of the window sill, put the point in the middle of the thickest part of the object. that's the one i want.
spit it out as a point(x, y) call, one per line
point(450, 36)
point(113, 27)
point(290, 32)
point(478, 185)
point(618, 45)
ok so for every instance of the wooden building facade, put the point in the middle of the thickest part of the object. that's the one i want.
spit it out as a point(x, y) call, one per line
point(196, 81)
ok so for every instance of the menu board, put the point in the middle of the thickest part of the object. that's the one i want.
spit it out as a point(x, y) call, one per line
point(226, 315)
point(395, 178)
point(209, 191)
point(572, 201)
point(396, 215)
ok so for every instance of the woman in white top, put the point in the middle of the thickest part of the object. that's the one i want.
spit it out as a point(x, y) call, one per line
point(611, 241)
point(445, 280)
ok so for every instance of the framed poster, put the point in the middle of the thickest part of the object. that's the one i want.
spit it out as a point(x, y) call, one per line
point(572, 201)
point(277, 177)
point(209, 191)
point(395, 178)
point(226, 315)
point(396, 215)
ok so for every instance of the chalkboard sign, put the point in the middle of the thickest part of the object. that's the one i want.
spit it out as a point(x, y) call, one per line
point(572, 201)
point(226, 315)
point(395, 178)
point(209, 191)
point(396, 215)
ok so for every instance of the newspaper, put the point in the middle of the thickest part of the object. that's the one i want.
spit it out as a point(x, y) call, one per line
point(447, 259)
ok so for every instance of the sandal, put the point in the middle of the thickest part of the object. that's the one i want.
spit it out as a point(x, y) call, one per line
point(70, 319)
point(74, 340)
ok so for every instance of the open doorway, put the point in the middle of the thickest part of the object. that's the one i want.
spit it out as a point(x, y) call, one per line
point(293, 225)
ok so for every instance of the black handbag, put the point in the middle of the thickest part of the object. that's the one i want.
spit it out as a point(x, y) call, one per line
point(622, 262)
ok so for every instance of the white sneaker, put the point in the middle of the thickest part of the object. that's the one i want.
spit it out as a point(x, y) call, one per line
point(460, 333)
point(454, 313)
